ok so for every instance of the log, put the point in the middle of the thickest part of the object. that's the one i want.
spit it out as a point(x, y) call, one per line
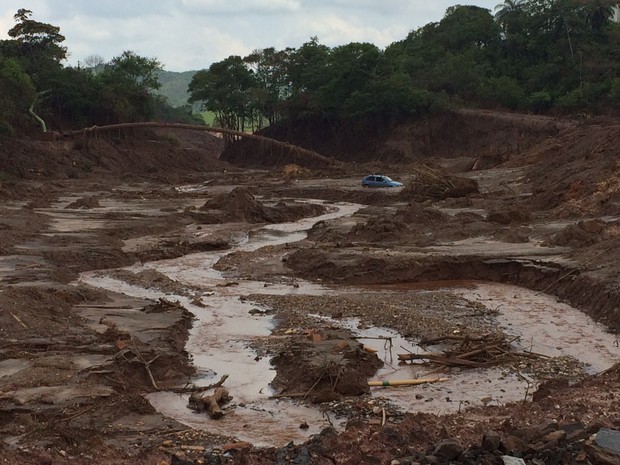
point(211, 403)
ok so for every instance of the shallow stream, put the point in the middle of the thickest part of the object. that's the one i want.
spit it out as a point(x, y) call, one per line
point(218, 344)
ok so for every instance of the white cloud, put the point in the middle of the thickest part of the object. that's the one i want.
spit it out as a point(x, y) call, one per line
point(219, 7)
point(193, 34)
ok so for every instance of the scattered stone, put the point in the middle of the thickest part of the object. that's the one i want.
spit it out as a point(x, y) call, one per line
point(448, 449)
point(555, 436)
point(513, 444)
point(509, 460)
point(491, 440)
point(609, 439)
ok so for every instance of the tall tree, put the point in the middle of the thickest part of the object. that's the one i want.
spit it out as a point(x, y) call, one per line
point(226, 89)
point(128, 84)
point(510, 15)
point(16, 94)
point(599, 12)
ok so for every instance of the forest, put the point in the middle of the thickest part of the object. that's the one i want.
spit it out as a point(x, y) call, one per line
point(538, 56)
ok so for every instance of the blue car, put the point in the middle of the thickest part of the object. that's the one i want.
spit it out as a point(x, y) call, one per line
point(379, 180)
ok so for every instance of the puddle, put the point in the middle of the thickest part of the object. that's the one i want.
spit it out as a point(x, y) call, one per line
point(219, 340)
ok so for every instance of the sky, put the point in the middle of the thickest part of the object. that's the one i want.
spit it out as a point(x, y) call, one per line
point(186, 35)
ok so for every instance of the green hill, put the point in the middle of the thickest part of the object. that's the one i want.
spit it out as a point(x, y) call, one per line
point(174, 86)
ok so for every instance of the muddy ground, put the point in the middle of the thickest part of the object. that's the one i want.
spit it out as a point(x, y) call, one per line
point(519, 200)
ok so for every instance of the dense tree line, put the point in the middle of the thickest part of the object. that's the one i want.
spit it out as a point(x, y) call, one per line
point(560, 56)
point(34, 84)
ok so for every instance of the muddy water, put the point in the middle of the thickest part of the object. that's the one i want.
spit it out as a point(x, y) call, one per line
point(219, 344)
point(542, 324)
point(220, 336)
point(548, 327)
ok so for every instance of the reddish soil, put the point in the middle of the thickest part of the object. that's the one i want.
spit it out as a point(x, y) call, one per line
point(73, 373)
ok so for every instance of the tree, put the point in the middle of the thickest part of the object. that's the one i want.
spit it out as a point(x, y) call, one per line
point(16, 94)
point(270, 68)
point(599, 12)
point(226, 89)
point(509, 15)
point(128, 84)
point(37, 38)
point(464, 27)
point(350, 69)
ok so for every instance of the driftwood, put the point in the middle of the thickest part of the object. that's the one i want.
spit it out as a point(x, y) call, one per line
point(406, 382)
point(472, 352)
point(192, 388)
point(211, 404)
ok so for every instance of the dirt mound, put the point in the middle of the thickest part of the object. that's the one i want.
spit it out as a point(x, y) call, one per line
point(241, 206)
point(324, 368)
point(510, 215)
point(378, 229)
point(415, 213)
point(582, 234)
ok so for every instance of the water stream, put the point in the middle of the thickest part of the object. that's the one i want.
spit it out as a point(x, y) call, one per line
point(218, 344)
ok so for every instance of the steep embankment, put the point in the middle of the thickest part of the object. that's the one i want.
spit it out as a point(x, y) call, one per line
point(493, 136)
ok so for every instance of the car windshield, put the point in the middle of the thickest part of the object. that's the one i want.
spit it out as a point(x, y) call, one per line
point(387, 179)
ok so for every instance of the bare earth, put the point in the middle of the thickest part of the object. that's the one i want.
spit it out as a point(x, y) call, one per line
point(512, 199)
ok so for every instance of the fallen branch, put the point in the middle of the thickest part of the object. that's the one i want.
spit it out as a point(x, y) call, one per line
point(406, 382)
point(201, 388)
point(18, 320)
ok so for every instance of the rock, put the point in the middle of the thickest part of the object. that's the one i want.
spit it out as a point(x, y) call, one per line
point(609, 439)
point(241, 445)
point(448, 449)
point(555, 436)
point(536, 432)
point(601, 456)
point(513, 444)
point(575, 431)
point(491, 440)
point(509, 460)
point(176, 460)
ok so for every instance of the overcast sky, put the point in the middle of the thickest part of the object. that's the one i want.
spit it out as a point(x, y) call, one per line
point(192, 34)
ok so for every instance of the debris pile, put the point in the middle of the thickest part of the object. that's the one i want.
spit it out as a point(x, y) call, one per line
point(470, 352)
point(429, 183)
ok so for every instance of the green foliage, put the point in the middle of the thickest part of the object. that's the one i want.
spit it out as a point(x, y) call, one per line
point(534, 55)
point(16, 93)
point(226, 89)
point(40, 40)
point(539, 101)
point(504, 90)
point(127, 87)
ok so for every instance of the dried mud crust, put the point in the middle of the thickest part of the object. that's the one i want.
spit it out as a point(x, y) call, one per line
point(46, 326)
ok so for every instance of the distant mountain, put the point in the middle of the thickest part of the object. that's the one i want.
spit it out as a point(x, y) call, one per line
point(174, 86)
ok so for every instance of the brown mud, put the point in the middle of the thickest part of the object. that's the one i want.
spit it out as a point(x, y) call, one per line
point(76, 361)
